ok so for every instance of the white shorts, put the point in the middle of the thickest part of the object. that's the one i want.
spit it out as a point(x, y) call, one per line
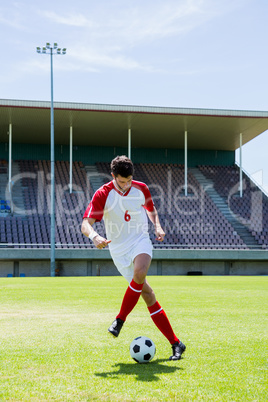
point(125, 263)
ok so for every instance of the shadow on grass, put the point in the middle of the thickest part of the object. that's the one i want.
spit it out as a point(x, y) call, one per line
point(143, 372)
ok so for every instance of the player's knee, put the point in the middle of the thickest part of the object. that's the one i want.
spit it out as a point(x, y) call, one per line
point(140, 273)
point(139, 276)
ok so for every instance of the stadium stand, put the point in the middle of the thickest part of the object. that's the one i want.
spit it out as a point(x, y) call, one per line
point(211, 231)
point(192, 222)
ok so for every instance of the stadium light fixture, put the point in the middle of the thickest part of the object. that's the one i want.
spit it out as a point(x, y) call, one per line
point(52, 50)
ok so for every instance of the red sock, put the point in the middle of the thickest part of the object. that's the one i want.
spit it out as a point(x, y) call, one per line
point(161, 321)
point(130, 299)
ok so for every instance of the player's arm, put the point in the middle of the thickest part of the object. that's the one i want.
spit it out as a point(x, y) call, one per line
point(88, 231)
point(154, 218)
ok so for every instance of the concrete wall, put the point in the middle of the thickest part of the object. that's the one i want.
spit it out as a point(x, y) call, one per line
point(95, 267)
point(94, 262)
point(34, 268)
point(6, 267)
point(247, 267)
point(185, 267)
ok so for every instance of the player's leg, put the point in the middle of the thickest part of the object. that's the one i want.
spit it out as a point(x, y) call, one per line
point(161, 320)
point(134, 290)
point(141, 265)
point(157, 314)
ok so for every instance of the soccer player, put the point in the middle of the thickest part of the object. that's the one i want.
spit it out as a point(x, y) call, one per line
point(123, 204)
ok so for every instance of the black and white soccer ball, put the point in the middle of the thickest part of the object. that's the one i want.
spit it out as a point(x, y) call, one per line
point(142, 349)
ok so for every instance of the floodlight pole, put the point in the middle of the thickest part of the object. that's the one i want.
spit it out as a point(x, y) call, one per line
point(129, 143)
point(10, 159)
point(52, 163)
point(185, 163)
point(52, 50)
point(71, 160)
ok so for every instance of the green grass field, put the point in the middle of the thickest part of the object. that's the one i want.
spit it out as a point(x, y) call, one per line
point(55, 345)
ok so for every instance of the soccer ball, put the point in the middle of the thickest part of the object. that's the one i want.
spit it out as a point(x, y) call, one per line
point(142, 349)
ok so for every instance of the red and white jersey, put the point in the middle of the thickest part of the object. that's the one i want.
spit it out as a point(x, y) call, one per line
point(124, 214)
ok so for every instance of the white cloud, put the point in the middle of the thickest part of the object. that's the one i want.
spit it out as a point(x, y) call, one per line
point(120, 36)
point(90, 56)
point(77, 20)
point(166, 19)
point(106, 36)
point(11, 21)
point(145, 23)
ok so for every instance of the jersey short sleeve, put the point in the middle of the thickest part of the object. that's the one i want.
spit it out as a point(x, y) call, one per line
point(148, 205)
point(96, 206)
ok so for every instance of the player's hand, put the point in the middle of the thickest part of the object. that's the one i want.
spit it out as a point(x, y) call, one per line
point(160, 234)
point(100, 242)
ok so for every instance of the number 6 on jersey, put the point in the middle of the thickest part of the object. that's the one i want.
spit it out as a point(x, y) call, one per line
point(127, 216)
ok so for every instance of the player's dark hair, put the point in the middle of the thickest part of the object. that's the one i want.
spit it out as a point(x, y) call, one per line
point(122, 165)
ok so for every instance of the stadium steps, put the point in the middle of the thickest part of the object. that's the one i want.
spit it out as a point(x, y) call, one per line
point(93, 177)
point(241, 229)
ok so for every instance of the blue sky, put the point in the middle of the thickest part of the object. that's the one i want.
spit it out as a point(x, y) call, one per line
point(195, 53)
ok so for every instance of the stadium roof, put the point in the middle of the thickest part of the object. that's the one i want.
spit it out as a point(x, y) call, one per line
point(155, 127)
